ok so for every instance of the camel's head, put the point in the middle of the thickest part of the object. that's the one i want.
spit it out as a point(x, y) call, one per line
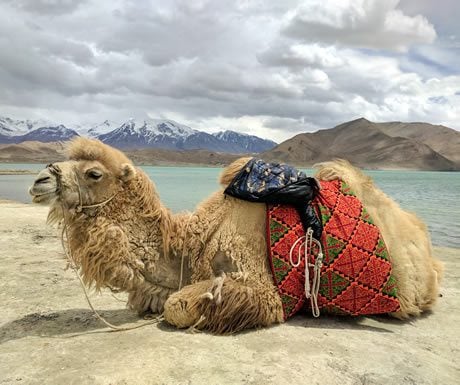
point(94, 173)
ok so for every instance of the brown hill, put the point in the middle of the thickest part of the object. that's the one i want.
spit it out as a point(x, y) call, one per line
point(38, 152)
point(32, 152)
point(373, 145)
point(393, 145)
point(152, 156)
point(443, 140)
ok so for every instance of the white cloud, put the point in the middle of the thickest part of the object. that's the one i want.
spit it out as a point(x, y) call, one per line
point(282, 53)
point(359, 23)
point(244, 65)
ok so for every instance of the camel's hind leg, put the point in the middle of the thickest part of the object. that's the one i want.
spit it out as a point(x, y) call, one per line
point(417, 273)
point(224, 305)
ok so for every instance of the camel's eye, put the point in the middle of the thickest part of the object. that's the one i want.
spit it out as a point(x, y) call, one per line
point(94, 174)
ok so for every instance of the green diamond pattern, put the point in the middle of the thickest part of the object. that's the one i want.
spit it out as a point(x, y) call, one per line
point(390, 287)
point(277, 231)
point(325, 213)
point(280, 268)
point(333, 310)
point(366, 217)
point(381, 250)
point(346, 190)
point(333, 249)
point(332, 284)
point(288, 303)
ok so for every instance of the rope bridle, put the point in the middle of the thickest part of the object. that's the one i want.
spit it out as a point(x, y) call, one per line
point(56, 171)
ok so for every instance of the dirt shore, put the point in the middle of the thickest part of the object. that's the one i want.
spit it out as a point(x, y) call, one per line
point(49, 336)
point(17, 172)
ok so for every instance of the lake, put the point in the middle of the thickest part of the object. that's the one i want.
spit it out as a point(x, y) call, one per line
point(433, 196)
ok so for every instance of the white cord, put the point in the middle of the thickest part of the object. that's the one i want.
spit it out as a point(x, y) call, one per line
point(311, 290)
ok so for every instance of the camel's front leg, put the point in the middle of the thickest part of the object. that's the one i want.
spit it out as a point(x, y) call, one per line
point(224, 305)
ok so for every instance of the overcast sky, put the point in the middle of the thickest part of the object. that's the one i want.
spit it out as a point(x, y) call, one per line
point(272, 68)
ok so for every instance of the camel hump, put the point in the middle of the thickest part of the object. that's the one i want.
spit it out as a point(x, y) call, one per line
point(344, 170)
point(232, 169)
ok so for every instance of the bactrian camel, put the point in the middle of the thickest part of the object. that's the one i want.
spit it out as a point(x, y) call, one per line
point(122, 237)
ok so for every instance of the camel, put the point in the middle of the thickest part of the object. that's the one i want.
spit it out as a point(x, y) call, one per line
point(206, 269)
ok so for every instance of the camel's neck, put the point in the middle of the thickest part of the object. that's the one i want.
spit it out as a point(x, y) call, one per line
point(132, 240)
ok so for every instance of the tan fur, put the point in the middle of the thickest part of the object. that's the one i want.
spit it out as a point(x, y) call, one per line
point(92, 149)
point(135, 244)
point(244, 306)
point(231, 170)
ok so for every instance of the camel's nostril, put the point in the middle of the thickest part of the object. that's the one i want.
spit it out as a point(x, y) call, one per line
point(43, 179)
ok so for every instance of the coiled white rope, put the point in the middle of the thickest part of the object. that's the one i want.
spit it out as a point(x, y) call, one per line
point(311, 290)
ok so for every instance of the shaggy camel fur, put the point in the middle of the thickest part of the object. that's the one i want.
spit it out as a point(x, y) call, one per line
point(129, 241)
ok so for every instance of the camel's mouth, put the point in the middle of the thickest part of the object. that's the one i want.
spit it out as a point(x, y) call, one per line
point(44, 189)
point(42, 197)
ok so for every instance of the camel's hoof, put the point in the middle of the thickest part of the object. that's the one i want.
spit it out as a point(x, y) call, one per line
point(193, 329)
point(150, 316)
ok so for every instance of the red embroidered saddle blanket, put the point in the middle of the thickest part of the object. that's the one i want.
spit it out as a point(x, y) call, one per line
point(356, 274)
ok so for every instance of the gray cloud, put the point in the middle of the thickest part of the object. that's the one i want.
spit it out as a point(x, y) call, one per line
point(443, 15)
point(49, 7)
point(265, 67)
point(361, 23)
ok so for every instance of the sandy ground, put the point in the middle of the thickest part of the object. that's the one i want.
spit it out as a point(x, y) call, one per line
point(49, 336)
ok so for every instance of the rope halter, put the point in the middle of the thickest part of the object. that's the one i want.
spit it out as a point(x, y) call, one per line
point(56, 171)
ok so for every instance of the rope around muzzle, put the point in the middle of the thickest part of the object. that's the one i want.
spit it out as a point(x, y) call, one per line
point(71, 262)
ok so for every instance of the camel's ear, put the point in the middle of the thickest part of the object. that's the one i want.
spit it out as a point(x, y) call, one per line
point(127, 172)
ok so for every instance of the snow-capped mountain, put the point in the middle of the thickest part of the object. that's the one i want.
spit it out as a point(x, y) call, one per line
point(12, 127)
point(244, 143)
point(132, 134)
point(47, 134)
point(155, 133)
point(171, 135)
point(148, 133)
point(17, 131)
point(94, 130)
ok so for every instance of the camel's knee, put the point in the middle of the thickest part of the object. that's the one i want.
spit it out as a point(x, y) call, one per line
point(240, 305)
point(223, 306)
point(182, 309)
point(178, 312)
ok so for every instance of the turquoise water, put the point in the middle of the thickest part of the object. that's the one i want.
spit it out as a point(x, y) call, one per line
point(433, 196)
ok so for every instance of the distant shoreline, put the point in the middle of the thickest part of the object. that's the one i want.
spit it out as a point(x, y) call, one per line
point(17, 172)
point(204, 165)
